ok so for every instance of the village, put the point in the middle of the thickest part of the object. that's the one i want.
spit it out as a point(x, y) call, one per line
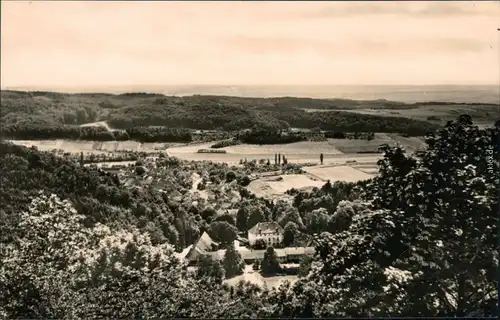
point(219, 182)
point(262, 235)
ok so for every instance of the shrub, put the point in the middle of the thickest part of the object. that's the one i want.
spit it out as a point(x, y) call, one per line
point(244, 181)
point(140, 170)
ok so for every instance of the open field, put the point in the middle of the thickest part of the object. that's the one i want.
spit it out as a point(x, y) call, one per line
point(338, 173)
point(300, 152)
point(267, 188)
point(296, 181)
point(371, 168)
point(444, 112)
point(316, 176)
point(77, 146)
point(295, 154)
point(292, 158)
point(303, 147)
point(411, 144)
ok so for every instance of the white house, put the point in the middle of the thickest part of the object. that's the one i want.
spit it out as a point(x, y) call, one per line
point(270, 232)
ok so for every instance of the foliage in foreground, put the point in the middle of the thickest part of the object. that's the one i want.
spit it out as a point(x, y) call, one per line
point(60, 268)
point(425, 243)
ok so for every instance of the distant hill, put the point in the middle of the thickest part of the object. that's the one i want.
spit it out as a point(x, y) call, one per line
point(22, 109)
point(401, 93)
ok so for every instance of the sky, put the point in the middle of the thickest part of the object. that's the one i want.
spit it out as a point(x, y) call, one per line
point(76, 44)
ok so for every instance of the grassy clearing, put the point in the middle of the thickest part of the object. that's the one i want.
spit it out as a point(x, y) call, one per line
point(444, 112)
point(338, 173)
point(296, 181)
point(411, 144)
point(276, 189)
point(303, 147)
point(355, 146)
point(77, 146)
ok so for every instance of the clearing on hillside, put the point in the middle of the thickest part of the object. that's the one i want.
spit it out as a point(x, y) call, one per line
point(296, 148)
point(299, 152)
point(411, 144)
point(338, 173)
point(98, 147)
point(269, 187)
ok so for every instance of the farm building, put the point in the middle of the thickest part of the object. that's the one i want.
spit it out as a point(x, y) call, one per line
point(270, 232)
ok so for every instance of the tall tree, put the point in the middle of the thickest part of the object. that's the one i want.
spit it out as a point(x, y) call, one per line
point(304, 266)
point(256, 215)
point(318, 221)
point(223, 232)
point(209, 269)
point(270, 264)
point(242, 219)
point(233, 263)
point(290, 234)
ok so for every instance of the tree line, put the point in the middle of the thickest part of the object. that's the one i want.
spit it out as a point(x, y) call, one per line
point(199, 112)
point(94, 133)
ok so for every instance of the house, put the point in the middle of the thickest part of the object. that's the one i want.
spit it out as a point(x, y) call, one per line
point(203, 246)
point(270, 232)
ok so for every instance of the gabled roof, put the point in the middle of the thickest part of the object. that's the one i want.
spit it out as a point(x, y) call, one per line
point(203, 245)
point(266, 227)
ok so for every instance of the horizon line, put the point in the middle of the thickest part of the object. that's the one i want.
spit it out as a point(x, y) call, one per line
point(157, 86)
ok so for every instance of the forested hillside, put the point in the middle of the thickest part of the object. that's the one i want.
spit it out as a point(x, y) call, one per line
point(56, 115)
point(418, 240)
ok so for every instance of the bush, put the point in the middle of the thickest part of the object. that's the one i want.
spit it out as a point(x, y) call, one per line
point(256, 265)
point(140, 170)
point(244, 181)
point(230, 176)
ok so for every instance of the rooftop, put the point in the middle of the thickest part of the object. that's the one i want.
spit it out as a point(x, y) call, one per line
point(247, 254)
point(266, 227)
point(203, 245)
